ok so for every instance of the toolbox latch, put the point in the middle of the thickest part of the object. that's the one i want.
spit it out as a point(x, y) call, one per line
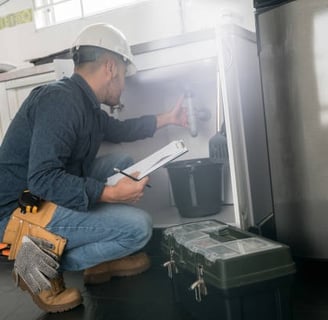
point(199, 285)
point(171, 265)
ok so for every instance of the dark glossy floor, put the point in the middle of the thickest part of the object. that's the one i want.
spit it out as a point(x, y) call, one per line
point(150, 296)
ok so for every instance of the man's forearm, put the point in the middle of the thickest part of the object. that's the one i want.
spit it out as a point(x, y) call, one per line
point(163, 120)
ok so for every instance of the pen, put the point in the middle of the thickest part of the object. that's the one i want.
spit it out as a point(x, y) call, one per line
point(129, 176)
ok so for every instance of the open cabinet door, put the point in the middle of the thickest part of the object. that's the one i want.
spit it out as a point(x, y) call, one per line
point(244, 117)
point(294, 74)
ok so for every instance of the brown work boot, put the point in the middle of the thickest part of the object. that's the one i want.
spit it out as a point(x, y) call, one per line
point(56, 299)
point(127, 266)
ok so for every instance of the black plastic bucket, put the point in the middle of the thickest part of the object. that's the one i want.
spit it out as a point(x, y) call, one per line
point(196, 186)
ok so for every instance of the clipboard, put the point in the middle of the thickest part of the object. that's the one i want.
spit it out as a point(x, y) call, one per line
point(156, 160)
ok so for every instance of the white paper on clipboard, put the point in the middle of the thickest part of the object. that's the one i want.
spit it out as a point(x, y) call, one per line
point(156, 160)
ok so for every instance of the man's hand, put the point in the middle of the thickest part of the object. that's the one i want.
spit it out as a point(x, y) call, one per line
point(177, 115)
point(35, 264)
point(126, 190)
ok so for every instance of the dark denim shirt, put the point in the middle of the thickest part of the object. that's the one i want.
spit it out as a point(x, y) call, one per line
point(52, 141)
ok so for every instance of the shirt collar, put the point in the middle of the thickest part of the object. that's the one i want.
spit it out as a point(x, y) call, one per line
point(86, 89)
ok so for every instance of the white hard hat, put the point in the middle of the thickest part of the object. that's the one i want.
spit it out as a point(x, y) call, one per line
point(106, 36)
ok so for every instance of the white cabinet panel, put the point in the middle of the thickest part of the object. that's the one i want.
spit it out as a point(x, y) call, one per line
point(3, 101)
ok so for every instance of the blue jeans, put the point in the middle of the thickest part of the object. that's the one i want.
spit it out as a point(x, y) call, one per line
point(106, 231)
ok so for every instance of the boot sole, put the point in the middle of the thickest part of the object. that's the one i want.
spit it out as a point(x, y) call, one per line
point(106, 276)
point(51, 309)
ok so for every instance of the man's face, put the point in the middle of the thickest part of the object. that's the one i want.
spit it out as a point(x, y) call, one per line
point(116, 86)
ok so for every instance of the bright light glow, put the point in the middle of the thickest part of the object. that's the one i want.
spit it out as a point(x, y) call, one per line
point(66, 11)
point(95, 6)
point(51, 12)
point(320, 52)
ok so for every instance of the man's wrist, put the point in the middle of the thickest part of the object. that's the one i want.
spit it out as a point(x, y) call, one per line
point(108, 194)
point(162, 119)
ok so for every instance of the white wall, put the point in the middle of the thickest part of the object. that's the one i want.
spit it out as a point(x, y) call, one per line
point(154, 19)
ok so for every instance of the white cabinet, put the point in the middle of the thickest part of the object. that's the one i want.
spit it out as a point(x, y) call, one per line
point(16, 85)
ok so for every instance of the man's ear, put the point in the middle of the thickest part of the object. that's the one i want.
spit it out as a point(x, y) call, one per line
point(111, 68)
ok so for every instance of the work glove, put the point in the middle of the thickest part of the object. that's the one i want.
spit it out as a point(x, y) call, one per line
point(36, 264)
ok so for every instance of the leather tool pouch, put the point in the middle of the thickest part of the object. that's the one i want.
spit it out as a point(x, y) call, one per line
point(32, 224)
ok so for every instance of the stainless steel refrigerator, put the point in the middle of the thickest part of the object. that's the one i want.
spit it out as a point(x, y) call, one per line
point(293, 56)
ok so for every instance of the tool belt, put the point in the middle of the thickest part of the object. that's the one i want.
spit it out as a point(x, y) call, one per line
point(32, 224)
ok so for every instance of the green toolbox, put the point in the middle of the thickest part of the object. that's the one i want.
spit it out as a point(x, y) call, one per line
point(221, 272)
